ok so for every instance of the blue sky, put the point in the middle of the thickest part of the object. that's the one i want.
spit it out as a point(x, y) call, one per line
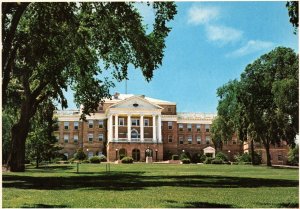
point(210, 44)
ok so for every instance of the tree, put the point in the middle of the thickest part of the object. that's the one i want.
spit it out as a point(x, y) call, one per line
point(259, 80)
point(293, 11)
point(41, 144)
point(50, 46)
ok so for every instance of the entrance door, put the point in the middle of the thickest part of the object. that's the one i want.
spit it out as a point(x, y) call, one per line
point(136, 154)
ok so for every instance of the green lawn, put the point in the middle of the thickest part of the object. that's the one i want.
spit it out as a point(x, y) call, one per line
point(152, 185)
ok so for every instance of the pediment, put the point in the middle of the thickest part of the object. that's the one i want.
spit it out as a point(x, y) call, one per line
point(209, 149)
point(136, 102)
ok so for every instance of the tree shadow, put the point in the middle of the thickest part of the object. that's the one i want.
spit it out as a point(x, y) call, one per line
point(206, 205)
point(121, 181)
point(288, 205)
point(43, 206)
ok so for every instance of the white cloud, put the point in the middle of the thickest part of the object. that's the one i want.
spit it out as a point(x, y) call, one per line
point(223, 34)
point(252, 46)
point(202, 15)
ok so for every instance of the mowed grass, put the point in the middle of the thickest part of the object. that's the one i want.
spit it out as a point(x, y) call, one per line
point(152, 186)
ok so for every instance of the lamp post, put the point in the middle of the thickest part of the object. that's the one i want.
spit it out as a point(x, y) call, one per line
point(156, 154)
point(116, 154)
point(229, 154)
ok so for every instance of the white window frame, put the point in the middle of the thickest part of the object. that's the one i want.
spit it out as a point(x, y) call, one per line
point(198, 139)
point(66, 124)
point(90, 135)
point(207, 127)
point(170, 137)
point(75, 138)
point(181, 139)
point(121, 121)
point(198, 127)
point(135, 122)
point(170, 122)
point(101, 124)
point(76, 124)
point(146, 122)
point(180, 127)
point(207, 139)
point(102, 138)
point(66, 138)
point(91, 123)
point(189, 127)
point(190, 139)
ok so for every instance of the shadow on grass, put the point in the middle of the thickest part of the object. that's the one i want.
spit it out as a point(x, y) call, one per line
point(121, 181)
point(288, 205)
point(206, 205)
point(43, 206)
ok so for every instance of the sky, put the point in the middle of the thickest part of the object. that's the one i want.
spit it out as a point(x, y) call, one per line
point(210, 44)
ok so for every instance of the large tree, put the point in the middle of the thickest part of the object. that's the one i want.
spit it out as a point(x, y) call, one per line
point(50, 46)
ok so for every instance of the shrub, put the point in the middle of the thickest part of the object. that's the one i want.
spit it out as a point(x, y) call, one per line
point(121, 156)
point(293, 156)
point(257, 159)
point(175, 157)
point(127, 160)
point(80, 155)
point(95, 159)
point(185, 155)
point(221, 156)
point(217, 161)
point(202, 158)
point(196, 158)
point(167, 155)
point(208, 160)
point(103, 158)
point(245, 157)
point(71, 160)
point(186, 161)
point(85, 161)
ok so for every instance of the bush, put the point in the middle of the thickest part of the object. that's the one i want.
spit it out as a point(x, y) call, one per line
point(95, 159)
point(71, 160)
point(121, 156)
point(208, 160)
point(293, 156)
point(217, 161)
point(196, 158)
point(186, 161)
point(127, 160)
point(175, 157)
point(202, 158)
point(221, 156)
point(85, 161)
point(257, 159)
point(245, 157)
point(103, 158)
point(80, 155)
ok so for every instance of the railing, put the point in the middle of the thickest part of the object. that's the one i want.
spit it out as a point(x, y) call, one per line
point(147, 140)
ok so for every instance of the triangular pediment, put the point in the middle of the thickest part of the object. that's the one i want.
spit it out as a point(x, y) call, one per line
point(135, 102)
point(207, 149)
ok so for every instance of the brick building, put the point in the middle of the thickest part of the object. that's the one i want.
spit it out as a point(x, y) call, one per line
point(131, 125)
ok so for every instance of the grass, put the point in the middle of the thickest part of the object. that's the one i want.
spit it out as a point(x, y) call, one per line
point(152, 185)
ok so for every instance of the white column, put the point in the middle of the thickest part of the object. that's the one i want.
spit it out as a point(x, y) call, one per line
point(110, 125)
point(154, 128)
point(142, 128)
point(129, 128)
point(159, 129)
point(116, 127)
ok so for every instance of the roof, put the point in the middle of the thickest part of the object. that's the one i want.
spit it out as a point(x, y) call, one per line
point(126, 96)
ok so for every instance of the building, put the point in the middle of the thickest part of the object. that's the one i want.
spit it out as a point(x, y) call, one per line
point(135, 125)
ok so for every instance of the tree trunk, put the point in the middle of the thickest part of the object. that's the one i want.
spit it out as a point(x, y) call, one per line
point(267, 147)
point(37, 159)
point(252, 152)
point(19, 132)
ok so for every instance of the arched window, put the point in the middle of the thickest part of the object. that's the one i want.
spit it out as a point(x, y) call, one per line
point(122, 153)
point(134, 134)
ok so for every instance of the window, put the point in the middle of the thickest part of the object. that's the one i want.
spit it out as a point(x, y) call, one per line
point(207, 139)
point(121, 122)
point(207, 128)
point(169, 109)
point(91, 123)
point(170, 138)
point(189, 127)
point(100, 108)
point(76, 125)
point(101, 124)
point(66, 154)
point(180, 126)
point(135, 122)
point(190, 139)
point(66, 138)
point(280, 158)
point(90, 154)
point(75, 138)
point(146, 122)
point(198, 139)
point(170, 125)
point(90, 138)
point(198, 127)
point(180, 140)
point(101, 137)
point(134, 134)
point(66, 125)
